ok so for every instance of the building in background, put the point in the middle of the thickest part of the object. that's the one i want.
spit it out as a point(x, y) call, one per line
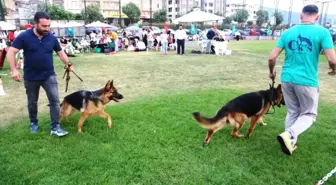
point(10, 8)
point(232, 8)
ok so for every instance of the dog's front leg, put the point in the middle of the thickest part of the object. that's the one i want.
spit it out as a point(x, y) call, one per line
point(261, 121)
point(106, 116)
point(81, 122)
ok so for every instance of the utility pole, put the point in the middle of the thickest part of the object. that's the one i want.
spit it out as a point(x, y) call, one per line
point(119, 13)
point(85, 20)
point(46, 4)
point(224, 10)
point(2, 9)
point(326, 14)
point(150, 12)
point(290, 13)
point(261, 4)
point(320, 22)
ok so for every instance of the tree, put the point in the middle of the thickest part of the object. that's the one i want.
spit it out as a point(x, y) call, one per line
point(262, 17)
point(92, 13)
point(241, 16)
point(78, 16)
point(250, 23)
point(58, 13)
point(132, 11)
point(43, 7)
point(227, 20)
point(278, 18)
point(160, 15)
point(3, 10)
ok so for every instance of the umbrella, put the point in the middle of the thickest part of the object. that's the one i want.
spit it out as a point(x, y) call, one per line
point(7, 26)
point(132, 28)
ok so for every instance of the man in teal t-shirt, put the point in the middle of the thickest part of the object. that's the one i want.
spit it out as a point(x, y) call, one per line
point(299, 78)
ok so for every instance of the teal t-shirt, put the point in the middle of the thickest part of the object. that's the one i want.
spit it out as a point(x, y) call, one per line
point(303, 44)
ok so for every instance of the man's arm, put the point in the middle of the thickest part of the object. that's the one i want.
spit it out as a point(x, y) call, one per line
point(60, 52)
point(328, 47)
point(272, 59)
point(64, 58)
point(11, 57)
point(331, 56)
point(12, 51)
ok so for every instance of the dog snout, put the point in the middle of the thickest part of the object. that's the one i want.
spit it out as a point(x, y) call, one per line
point(120, 96)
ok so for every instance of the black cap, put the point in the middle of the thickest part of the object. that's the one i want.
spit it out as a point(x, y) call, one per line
point(310, 9)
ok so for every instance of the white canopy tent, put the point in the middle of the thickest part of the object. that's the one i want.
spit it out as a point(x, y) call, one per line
point(7, 26)
point(197, 16)
point(72, 24)
point(57, 25)
point(98, 24)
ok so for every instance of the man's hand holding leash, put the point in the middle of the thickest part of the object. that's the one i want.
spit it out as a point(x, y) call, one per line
point(16, 75)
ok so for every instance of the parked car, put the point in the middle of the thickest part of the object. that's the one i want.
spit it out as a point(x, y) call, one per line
point(155, 29)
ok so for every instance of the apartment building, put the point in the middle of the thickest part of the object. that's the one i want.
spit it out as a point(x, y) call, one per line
point(181, 7)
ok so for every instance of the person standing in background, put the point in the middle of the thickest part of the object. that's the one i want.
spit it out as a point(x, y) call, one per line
point(180, 35)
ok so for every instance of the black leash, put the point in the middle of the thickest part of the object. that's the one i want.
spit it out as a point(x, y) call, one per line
point(272, 97)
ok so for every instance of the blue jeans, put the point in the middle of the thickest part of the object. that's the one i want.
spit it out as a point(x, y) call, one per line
point(164, 48)
point(50, 86)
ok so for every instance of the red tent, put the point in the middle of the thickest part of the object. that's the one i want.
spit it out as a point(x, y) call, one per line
point(28, 26)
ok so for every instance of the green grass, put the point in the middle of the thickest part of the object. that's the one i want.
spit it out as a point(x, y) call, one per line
point(155, 141)
point(139, 75)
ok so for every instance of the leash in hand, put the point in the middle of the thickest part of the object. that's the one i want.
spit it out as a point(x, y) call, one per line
point(67, 74)
point(272, 97)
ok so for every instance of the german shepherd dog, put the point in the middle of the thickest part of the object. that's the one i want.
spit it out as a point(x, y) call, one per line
point(250, 105)
point(90, 103)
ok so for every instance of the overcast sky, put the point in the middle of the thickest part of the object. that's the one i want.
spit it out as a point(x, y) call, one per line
point(284, 4)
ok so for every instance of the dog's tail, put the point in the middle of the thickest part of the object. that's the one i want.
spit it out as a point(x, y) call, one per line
point(210, 123)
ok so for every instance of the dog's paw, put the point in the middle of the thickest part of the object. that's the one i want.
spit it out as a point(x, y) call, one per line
point(263, 124)
point(205, 144)
point(247, 136)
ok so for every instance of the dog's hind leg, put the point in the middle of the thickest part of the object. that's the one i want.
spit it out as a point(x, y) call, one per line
point(238, 122)
point(65, 111)
point(81, 122)
point(106, 116)
point(212, 131)
point(254, 120)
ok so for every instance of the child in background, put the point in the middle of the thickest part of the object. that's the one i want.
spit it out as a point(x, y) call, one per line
point(164, 42)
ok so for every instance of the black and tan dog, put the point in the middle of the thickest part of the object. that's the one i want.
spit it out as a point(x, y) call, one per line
point(90, 103)
point(251, 105)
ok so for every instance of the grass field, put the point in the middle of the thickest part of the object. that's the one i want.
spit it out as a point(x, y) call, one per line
point(153, 139)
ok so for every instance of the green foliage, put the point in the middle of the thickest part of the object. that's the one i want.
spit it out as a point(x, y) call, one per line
point(132, 11)
point(160, 15)
point(227, 20)
point(3, 10)
point(92, 13)
point(59, 13)
point(241, 16)
point(262, 17)
point(278, 18)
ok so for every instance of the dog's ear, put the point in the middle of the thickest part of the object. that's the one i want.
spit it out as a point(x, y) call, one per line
point(108, 86)
point(112, 83)
point(279, 86)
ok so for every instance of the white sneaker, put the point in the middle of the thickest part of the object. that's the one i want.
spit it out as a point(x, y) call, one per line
point(286, 143)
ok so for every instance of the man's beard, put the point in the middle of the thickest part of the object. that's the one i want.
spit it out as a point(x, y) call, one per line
point(41, 32)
